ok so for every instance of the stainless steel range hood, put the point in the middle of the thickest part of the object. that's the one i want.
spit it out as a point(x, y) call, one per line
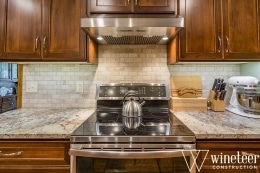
point(132, 30)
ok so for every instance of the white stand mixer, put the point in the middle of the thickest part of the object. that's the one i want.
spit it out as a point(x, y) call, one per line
point(245, 82)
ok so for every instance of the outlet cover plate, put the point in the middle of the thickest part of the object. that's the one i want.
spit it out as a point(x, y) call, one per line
point(31, 87)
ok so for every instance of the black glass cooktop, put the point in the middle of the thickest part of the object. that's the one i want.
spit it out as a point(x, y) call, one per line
point(156, 124)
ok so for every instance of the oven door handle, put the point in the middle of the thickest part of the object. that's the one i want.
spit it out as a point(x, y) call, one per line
point(131, 154)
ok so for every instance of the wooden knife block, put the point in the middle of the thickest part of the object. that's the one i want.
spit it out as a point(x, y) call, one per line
point(216, 105)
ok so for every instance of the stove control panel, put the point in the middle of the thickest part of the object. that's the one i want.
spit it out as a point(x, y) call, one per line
point(118, 91)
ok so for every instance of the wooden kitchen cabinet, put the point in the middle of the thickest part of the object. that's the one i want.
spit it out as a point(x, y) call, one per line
point(227, 147)
point(42, 30)
point(30, 156)
point(132, 6)
point(219, 30)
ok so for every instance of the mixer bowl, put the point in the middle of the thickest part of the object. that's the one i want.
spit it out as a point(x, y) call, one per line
point(249, 99)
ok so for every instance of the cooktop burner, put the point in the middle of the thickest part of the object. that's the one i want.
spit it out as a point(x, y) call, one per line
point(147, 117)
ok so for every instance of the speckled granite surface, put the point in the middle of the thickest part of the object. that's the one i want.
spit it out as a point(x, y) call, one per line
point(60, 123)
point(220, 125)
point(41, 123)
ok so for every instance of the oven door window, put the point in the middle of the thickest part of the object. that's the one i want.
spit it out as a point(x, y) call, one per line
point(99, 165)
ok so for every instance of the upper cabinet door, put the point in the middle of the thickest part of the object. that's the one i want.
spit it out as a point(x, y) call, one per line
point(2, 26)
point(62, 37)
point(110, 6)
point(132, 6)
point(154, 6)
point(241, 29)
point(21, 31)
point(200, 40)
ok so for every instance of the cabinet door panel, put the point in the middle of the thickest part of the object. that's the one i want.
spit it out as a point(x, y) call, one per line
point(241, 22)
point(61, 31)
point(34, 156)
point(200, 39)
point(2, 26)
point(23, 27)
point(110, 6)
point(154, 6)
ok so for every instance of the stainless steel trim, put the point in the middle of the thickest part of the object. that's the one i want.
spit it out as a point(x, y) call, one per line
point(132, 139)
point(167, 97)
point(129, 154)
point(132, 30)
point(134, 146)
point(176, 21)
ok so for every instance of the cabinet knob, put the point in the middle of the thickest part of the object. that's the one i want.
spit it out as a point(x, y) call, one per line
point(19, 153)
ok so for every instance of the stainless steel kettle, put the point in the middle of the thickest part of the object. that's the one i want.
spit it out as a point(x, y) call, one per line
point(132, 111)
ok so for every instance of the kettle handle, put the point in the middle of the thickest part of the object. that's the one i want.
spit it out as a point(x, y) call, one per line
point(130, 94)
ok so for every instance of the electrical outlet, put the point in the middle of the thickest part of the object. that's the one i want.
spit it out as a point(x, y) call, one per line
point(79, 86)
point(31, 87)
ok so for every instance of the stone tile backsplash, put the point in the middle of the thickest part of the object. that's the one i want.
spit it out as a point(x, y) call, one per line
point(56, 83)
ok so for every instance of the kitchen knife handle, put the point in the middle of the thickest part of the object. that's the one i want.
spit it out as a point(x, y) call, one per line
point(219, 44)
point(214, 84)
point(227, 48)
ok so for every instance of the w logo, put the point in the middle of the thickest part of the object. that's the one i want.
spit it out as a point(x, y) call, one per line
point(193, 154)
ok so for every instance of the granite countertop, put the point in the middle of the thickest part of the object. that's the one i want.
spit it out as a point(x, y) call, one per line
point(31, 123)
point(220, 125)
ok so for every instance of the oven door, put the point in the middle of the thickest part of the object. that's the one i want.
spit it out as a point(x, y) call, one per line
point(131, 160)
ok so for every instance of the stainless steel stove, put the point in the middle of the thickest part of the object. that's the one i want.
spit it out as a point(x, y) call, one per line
point(103, 136)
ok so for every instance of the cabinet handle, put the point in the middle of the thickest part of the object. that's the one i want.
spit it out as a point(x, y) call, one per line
point(227, 48)
point(19, 153)
point(136, 2)
point(36, 43)
point(219, 44)
point(44, 42)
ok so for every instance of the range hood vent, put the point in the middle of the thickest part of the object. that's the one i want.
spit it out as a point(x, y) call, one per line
point(128, 30)
point(132, 40)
